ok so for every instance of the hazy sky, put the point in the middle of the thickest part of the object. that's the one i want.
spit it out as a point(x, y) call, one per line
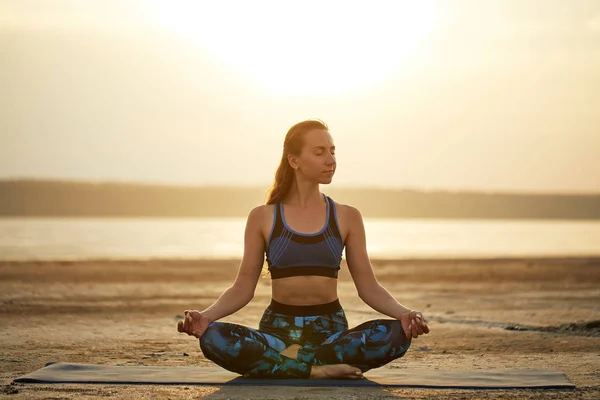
point(455, 94)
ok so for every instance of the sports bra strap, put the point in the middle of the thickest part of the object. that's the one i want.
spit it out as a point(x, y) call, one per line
point(278, 218)
point(333, 224)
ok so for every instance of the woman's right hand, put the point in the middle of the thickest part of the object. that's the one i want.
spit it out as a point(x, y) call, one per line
point(194, 323)
point(413, 324)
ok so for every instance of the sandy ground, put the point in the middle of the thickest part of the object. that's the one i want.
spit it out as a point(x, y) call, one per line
point(528, 313)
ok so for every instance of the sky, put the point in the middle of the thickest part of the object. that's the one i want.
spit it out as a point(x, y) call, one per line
point(479, 95)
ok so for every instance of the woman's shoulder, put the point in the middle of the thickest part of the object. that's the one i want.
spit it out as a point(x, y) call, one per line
point(261, 210)
point(260, 219)
point(347, 211)
point(261, 213)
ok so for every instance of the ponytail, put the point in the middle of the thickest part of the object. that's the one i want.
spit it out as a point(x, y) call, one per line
point(285, 175)
point(283, 182)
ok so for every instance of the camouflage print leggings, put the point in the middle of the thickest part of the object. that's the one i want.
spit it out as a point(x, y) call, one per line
point(321, 331)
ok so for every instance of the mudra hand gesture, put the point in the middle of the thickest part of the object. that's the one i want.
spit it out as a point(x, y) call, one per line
point(194, 323)
point(413, 324)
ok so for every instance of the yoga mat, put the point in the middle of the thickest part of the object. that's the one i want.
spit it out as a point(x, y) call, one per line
point(425, 378)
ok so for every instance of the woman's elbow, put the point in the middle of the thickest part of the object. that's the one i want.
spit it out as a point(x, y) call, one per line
point(366, 292)
point(243, 292)
point(362, 296)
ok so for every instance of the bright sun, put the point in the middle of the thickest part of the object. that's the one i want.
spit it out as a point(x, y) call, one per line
point(304, 47)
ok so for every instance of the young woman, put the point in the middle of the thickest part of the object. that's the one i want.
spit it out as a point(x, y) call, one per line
point(304, 333)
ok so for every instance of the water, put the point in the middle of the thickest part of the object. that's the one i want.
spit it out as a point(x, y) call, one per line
point(85, 238)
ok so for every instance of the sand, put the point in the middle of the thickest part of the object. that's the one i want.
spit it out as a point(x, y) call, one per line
point(501, 313)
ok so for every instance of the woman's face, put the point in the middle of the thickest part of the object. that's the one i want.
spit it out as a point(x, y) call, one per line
point(316, 161)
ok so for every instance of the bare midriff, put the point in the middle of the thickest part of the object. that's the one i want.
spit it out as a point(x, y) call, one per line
point(304, 290)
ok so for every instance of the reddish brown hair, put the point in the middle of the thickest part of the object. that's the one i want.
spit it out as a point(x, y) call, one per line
point(284, 177)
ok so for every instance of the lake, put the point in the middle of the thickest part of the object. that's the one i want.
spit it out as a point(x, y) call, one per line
point(114, 238)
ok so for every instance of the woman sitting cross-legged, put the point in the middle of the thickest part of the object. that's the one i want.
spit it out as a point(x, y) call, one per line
point(304, 333)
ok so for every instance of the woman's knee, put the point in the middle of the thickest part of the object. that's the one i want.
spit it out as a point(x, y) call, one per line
point(217, 345)
point(396, 338)
point(215, 336)
point(394, 327)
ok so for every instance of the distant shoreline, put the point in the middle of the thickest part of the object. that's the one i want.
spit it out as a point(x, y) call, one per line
point(37, 198)
point(577, 259)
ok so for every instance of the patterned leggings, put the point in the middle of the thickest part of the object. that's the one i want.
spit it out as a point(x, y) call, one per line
point(321, 331)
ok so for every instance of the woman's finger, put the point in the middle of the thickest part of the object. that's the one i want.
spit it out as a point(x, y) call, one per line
point(408, 330)
point(188, 324)
point(419, 326)
point(422, 324)
point(184, 321)
point(415, 333)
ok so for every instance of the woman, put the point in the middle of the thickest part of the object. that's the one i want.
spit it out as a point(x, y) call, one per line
point(303, 333)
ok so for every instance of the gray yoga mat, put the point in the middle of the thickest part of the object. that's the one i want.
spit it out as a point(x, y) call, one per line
point(425, 378)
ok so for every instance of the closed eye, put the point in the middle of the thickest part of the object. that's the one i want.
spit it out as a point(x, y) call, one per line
point(320, 150)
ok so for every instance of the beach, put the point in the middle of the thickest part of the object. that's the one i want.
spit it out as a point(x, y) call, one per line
point(498, 313)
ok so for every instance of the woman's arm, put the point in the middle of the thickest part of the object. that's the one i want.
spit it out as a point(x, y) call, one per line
point(242, 290)
point(369, 289)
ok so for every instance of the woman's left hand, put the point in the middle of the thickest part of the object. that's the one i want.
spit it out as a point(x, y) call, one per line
point(413, 324)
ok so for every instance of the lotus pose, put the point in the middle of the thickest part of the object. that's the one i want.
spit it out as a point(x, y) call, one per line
point(303, 333)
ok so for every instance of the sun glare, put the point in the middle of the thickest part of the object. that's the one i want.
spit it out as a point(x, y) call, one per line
point(304, 47)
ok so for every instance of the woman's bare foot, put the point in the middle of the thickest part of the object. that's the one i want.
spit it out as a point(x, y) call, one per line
point(332, 371)
point(335, 371)
point(291, 352)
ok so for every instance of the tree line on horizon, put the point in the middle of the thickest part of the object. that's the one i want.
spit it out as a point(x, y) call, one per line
point(45, 198)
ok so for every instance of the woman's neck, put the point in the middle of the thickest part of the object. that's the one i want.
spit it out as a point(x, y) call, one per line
point(304, 194)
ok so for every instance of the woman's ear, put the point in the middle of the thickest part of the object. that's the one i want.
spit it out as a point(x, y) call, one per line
point(293, 161)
